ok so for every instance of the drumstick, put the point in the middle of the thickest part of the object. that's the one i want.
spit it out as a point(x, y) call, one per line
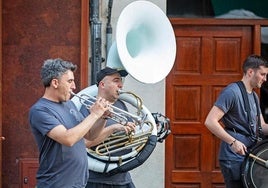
point(259, 159)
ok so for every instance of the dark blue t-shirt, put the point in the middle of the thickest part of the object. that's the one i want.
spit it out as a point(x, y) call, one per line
point(60, 166)
point(236, 118)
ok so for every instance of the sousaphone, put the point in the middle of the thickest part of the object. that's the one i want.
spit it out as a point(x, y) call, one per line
point(145, 47)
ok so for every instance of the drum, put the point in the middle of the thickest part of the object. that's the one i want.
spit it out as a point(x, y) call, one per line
point(255, 166)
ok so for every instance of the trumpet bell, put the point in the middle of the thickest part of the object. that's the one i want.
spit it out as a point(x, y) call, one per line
point(145, 42)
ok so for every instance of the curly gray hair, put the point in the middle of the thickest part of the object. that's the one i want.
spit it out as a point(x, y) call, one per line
point(55, 68)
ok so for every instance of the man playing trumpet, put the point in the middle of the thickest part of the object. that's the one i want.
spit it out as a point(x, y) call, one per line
point(109, 82)
point(59, 128)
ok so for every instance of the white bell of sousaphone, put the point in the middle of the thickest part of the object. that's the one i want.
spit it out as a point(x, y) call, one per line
point(145, 43)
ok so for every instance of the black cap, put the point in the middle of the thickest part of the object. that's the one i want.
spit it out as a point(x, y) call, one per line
point(109, 71)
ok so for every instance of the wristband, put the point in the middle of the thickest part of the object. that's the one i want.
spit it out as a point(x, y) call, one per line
point(233, 142)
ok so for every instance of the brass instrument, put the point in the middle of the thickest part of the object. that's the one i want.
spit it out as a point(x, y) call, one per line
point(145, 47)
point(117, 114)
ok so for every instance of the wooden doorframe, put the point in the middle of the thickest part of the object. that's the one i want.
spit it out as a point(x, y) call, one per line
point(84, 43)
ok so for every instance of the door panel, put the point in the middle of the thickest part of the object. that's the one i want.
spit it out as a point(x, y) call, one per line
point(209, 56)
point(27, 169)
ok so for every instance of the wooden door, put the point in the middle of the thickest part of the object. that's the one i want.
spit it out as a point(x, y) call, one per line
point(210, 53)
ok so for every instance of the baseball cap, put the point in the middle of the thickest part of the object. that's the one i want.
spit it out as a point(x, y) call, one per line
point(109, 71)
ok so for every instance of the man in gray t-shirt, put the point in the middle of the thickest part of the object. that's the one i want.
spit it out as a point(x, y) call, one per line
point(238, 134)
point(235, 120)
point(59, 128)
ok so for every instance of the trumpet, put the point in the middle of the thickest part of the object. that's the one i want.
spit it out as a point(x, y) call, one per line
point(116, 114)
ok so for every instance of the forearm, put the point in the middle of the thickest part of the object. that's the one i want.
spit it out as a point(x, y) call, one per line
point(105, 133)
point(219, 132)
point(213, 124)
point(69, 137)
point(96, 129)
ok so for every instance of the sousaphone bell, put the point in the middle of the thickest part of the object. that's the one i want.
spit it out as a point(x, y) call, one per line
point(145, 43)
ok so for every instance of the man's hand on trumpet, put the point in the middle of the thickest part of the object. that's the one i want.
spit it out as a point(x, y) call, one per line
point(101, 108)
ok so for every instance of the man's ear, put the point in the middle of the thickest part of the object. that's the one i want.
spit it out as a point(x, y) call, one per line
point(101, 83)
point(251, 71)
point(54, 83)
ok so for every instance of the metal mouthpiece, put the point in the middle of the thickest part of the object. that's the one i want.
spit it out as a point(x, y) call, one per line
point(120, 91)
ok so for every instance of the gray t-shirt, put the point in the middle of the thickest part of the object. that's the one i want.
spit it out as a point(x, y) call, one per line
point(59, 165)
point(235, 119)
point(119, 178)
